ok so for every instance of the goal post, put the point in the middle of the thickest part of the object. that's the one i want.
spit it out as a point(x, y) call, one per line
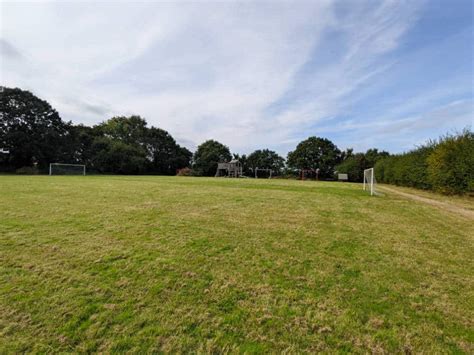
point(370, 183)
point(67, 169)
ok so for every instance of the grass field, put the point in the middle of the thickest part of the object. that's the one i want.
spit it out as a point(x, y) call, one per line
point(113, 263)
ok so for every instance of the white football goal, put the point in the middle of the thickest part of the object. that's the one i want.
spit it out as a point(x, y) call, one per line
point(67, 169)
point(370, 183)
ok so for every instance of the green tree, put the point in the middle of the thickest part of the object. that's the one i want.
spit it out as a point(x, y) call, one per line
point(266, 159)
point(30, 129)
point(78, 147)
point(164, 154)
point(315, 153)
point(114, 156)
point(154, 146)
point(373, 155)
point(354, 164)
point(243, 160)
point(208, 155)
point(130, 130)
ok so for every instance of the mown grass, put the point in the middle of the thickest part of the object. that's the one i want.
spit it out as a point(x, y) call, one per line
point(138, 264)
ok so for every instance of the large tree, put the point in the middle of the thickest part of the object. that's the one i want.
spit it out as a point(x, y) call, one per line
point(373, 155)
point(208, 155)
point(315, 153)
point(78, 147)
point(30, 129)
point(115, 156)
point(154, 147)
point(265, 159)
point(164, 154)
point(128, 130)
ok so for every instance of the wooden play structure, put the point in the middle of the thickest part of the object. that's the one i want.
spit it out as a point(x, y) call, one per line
point(230, 169)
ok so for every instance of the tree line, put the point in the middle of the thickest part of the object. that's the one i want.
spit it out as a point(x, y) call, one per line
point(34, 135)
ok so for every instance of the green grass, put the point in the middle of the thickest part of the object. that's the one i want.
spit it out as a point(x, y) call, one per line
point(114, 264)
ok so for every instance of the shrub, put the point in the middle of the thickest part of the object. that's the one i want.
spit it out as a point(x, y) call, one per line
point(451, 164)
point(408, 169)
point(446, 166)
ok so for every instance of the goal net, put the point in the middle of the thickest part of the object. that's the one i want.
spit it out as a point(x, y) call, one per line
point(370, 183)
point(66, 169)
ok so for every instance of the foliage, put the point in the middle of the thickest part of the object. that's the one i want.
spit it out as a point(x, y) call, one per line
point(129, 130)
point(265, 159)
point(451, 164)
point(355, 164)
point(117, 157)
point(315, 153)
point(30, 129)
point(445, 166)
point(79, 146)
point(408, 169)
point(208, 155)
point(373, 155)
point(152, 147)
point(36, 136)
point(246, 170)
point(164, 154)
point(200, 265)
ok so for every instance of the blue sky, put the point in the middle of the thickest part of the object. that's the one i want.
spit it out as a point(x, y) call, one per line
point(385, 74)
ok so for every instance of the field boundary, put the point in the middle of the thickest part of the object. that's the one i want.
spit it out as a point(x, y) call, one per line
point(439, 204)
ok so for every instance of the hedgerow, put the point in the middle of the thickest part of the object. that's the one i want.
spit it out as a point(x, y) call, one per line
point(451, 165)
point(446, 165)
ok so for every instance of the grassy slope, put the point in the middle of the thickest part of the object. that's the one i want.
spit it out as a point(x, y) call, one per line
point(166, 263)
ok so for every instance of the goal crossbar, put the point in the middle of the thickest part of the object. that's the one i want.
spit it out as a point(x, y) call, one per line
point(80, 169)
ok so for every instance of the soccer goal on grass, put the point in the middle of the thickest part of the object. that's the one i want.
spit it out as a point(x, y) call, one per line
point(370, 184)
point(67, 169)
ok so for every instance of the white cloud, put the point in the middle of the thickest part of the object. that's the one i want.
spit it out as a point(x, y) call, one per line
point(202, 70)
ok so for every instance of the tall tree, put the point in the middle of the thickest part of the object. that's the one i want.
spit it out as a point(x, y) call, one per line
point(115, 156)
point(78, 147)
point(266, 159)
point(129, 130)
point(155, 148)
point(315, 153)
point(164, 154)
point(30, 129)
point(208, 155)
point(373, 155)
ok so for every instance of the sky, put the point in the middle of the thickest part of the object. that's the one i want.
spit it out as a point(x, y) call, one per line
point(251, 74)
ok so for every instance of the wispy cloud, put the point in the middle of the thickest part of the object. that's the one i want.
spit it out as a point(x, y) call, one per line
point(251, 75)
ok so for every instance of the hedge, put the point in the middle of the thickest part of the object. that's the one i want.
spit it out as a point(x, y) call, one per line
point(445, 166)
